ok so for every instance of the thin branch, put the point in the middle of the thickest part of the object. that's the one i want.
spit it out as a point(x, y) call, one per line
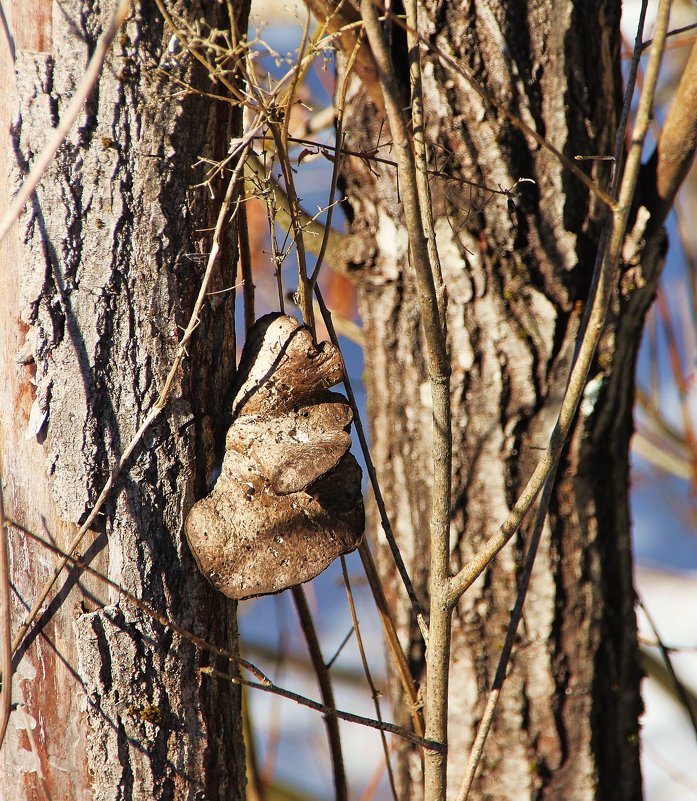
point(680, 691)
point(337, 160)
point(344, 326)
point(255, 790)
point(438, 652)
point(604, 280)
point(393, 644)
point(276, 127)
point(158, 405)
point(5, 624)
point(671, 34)
point(366, 669)
point(60, 133)
point(618, 159)
point(276, 257)
point(304, 288)
point(418, 126)
point(325, 688)
point(187, 42)
point(298, 75)
point(291, 657)
point(245, 261)
point(145, 608)
point(654, 667)
point(338, 244)
point(337, 653)
point(263, 683)
point(327, 711)
point(500, 677)
point(345, 151)
point(342, 17)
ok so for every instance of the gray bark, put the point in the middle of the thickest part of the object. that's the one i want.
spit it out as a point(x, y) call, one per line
point(99, 275)
point(517, 275)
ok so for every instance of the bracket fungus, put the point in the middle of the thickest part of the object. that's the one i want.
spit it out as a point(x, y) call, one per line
point(288, 499)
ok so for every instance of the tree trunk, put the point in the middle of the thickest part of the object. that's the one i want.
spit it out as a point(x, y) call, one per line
point(99, 276)
point(517, 271)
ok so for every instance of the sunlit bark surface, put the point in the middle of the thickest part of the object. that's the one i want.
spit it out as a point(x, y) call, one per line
point(98, 276)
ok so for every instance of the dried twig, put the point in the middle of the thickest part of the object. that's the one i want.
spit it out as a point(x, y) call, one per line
point(390, 728)
point(263, 683)
point(523, 583)
point(393, 644)
point(339, 122)
point(341, 18)
point(245, 262)
point(5, 624)
point(680, 690)
point(255, 785)
point(618, 160)
point(366, 669)
point(325, 688)
point(312, 230)
point(145, 608)
point(418, 125)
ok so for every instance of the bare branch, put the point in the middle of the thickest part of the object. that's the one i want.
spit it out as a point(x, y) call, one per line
point(681, 691)
point(5, 624)
point(523, 583)
point(264, 683)
point(418, 125)
point(245, 261)
point(438, 651)
point(338, 244)
point(366, 670)
point(342, 17)
point(337, 160)
point(325, 688)
point(393, 644)
point(390, 728)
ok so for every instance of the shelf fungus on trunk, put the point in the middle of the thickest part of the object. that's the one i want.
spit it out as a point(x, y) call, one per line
point(288, 500)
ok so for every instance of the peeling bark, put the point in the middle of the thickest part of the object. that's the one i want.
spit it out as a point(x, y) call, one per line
point(517, 271)
point(99, 275)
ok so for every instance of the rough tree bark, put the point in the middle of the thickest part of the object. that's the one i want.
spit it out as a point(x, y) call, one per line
point(98, 277)
point(517, 272)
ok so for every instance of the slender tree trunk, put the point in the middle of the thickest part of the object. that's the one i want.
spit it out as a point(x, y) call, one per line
point(98, 277)
point(517, 271)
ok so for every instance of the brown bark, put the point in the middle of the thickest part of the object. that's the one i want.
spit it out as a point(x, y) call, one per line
point(517, 271)
point(98, 276)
